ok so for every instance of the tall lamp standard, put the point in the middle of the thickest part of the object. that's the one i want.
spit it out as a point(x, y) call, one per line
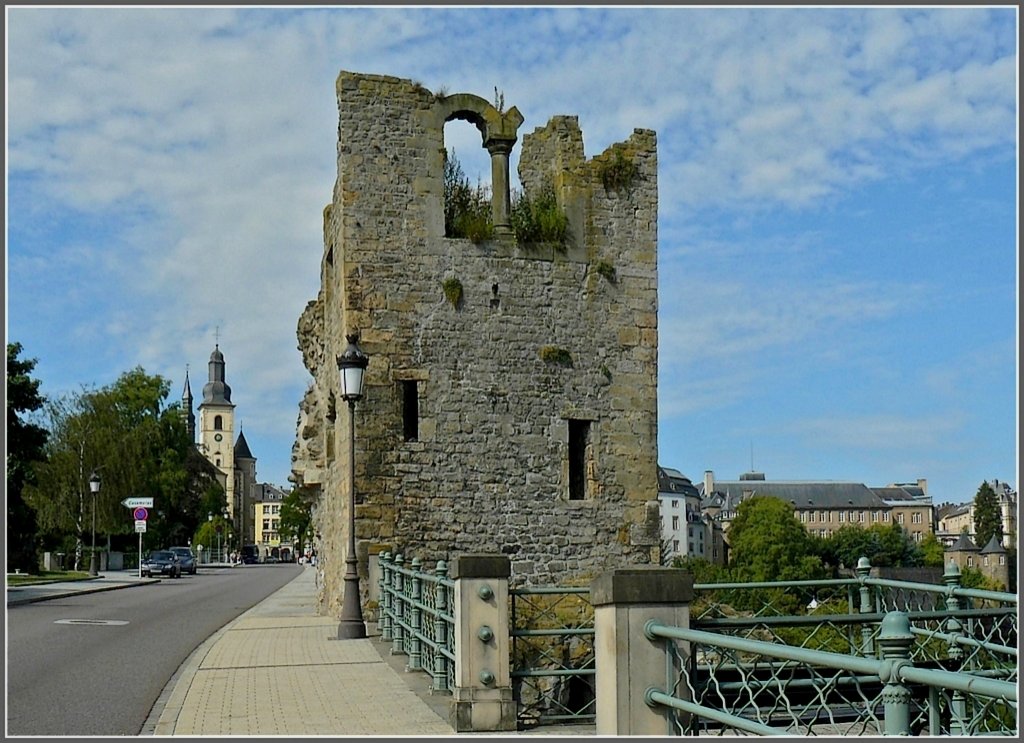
point(94, 559)
point(351, 366)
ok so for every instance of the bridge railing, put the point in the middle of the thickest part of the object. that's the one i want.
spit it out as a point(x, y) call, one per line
point(416, 616)
point(729, 684)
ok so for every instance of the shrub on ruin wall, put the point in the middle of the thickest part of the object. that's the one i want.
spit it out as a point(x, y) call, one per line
point(537, 218)
point(467, 210)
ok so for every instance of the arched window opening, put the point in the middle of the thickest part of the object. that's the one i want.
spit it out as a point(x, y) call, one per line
point(218, 423)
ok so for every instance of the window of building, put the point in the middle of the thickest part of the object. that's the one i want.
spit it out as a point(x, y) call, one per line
point(410, 410)
point(899, 518)
point(860, 516)
point(810, 516)
point(266, 524)
point(917, 536)
point(885, 515)
point(218, 423)
point(689, 532)
point(675, 504)
point(714, 553)
point(218, 461)
point(853, 516)
point(985, 560)
point(842, 517)
point(1002, 559)
point(675, 523)
point(675, 545)
point(579, 456)
point(874, 517)
point(916, 518)
point(970, 561)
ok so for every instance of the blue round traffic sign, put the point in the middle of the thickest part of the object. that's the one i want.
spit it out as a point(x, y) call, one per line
point(140, 513)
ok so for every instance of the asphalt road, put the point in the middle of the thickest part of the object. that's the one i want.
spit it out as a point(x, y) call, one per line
point(95, 664)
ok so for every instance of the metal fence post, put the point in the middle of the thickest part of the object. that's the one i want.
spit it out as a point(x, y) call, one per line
point(440, 669)
point(385, 596)
point(417, 616)
point(863, 569)
point(958, 703)
point(397, 632)
point(895, 639)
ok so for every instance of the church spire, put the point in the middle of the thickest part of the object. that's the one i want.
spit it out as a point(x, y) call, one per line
point(186, 404)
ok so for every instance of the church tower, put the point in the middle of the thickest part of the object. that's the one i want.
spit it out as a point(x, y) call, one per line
point(216, 430)
point(186, 406)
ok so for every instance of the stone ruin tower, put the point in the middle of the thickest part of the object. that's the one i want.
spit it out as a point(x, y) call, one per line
point(520, 418)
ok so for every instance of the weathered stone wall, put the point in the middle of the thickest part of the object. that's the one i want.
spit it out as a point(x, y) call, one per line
point(489, 470)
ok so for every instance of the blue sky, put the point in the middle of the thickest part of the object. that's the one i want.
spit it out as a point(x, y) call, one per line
point(837, 218)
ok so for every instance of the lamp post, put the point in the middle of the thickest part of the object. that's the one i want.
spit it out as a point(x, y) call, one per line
point(351, 365)
point(94, 560)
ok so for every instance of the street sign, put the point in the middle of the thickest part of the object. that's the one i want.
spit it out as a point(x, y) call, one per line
point(140, 525)
point(135, 502)
point(140, 514)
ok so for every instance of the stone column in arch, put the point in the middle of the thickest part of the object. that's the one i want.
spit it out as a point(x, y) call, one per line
point(501, 198)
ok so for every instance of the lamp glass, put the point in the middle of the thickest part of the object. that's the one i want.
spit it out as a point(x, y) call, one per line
point(94, 483)
point(351, 382)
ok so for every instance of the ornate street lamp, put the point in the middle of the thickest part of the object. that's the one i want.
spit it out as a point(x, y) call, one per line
point(351, 366)
point(94, 559)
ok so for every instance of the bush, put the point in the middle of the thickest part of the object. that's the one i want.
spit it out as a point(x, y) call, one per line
point(467, 210)
point(537, 218)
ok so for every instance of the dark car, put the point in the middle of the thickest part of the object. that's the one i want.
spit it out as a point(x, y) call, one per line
point(161, 562)
point(186, 558)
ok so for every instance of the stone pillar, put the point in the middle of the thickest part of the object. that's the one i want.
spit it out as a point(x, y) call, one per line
point(482, 698)
point(501, 197)
point(627, 663)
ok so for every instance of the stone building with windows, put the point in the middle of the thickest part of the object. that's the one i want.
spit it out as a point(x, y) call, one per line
point(510, 402)
point(267, 500)
point(824, 507)
point(686, 531)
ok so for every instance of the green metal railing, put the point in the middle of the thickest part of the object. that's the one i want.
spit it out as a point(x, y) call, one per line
point(726, 683)
point(552, 646)
point(416, 616)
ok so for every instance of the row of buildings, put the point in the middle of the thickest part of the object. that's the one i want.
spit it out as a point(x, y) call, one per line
point(695, 517)
point(253, 508)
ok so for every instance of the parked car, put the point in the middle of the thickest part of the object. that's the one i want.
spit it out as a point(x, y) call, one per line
point(186, 558)
point(161, 562)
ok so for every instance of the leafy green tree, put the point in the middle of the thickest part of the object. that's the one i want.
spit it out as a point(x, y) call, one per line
point(138, 446)
point(768, 543)
point(988, 521)
point(932, 551)
point(467, 210)
point(25, 447)
point(884, 546)
point(297, 516)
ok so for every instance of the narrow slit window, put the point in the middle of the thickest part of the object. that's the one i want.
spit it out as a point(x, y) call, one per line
point(579, 447)
point(410, 410)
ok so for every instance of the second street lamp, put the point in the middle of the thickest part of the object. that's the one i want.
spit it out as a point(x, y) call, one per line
point(351, 366)
point(94, 560)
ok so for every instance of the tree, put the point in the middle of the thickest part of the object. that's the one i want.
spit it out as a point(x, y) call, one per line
point(884, 546)
point(26, 442)
point(932, 551)
point(988, 521)
point(769, 544)
point(139, 448)
point(297, 515)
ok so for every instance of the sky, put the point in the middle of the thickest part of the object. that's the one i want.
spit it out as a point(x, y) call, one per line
point(837, 224)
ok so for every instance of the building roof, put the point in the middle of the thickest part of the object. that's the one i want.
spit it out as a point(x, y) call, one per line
point(242, 448)
point(802, 495)
point(964, 544)
point(674, 482)
point(993, 546)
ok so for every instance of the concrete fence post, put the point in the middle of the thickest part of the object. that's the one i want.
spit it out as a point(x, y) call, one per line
point(482, 698)
point(627, 663)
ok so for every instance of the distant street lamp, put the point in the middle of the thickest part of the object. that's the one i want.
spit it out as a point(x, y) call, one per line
point(94, 559)
point(351, 366)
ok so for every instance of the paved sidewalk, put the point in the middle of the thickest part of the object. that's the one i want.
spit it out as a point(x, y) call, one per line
point(277, 670)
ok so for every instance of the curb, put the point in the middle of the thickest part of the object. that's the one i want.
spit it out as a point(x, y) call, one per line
point(67, 594)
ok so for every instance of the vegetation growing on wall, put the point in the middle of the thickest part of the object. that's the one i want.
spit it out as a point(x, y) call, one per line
point(537, 218)
point(453, 291)
point(607, 270)
point(467, 210)
point(555, 355)
point(618, 172)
